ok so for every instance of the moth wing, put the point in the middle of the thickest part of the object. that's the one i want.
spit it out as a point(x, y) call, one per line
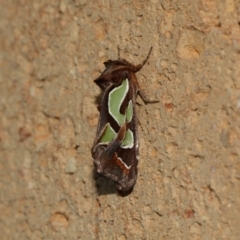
point(117, 158)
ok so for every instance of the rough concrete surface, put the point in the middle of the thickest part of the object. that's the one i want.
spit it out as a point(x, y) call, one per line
point(188, 185)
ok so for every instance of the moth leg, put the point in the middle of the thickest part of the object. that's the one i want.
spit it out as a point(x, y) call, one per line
point(145, 99)
point(99, 107)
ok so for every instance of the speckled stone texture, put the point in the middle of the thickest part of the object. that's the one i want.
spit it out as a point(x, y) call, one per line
point(188, 185)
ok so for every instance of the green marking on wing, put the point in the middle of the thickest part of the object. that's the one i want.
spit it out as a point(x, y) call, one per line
point(129, 111)
point(115, 100)
point(128, 141)
point(108, 135)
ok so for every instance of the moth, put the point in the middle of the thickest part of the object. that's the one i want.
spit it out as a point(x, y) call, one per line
point(115, 148)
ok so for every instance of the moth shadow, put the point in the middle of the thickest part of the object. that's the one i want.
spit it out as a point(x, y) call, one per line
point(104, 185)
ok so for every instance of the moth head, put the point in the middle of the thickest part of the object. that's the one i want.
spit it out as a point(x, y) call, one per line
point(103, 83)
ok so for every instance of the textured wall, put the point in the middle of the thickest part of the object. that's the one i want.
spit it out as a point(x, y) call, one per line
point(188, 185)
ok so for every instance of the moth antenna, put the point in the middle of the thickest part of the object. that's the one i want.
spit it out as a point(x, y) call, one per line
point(139, 66)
